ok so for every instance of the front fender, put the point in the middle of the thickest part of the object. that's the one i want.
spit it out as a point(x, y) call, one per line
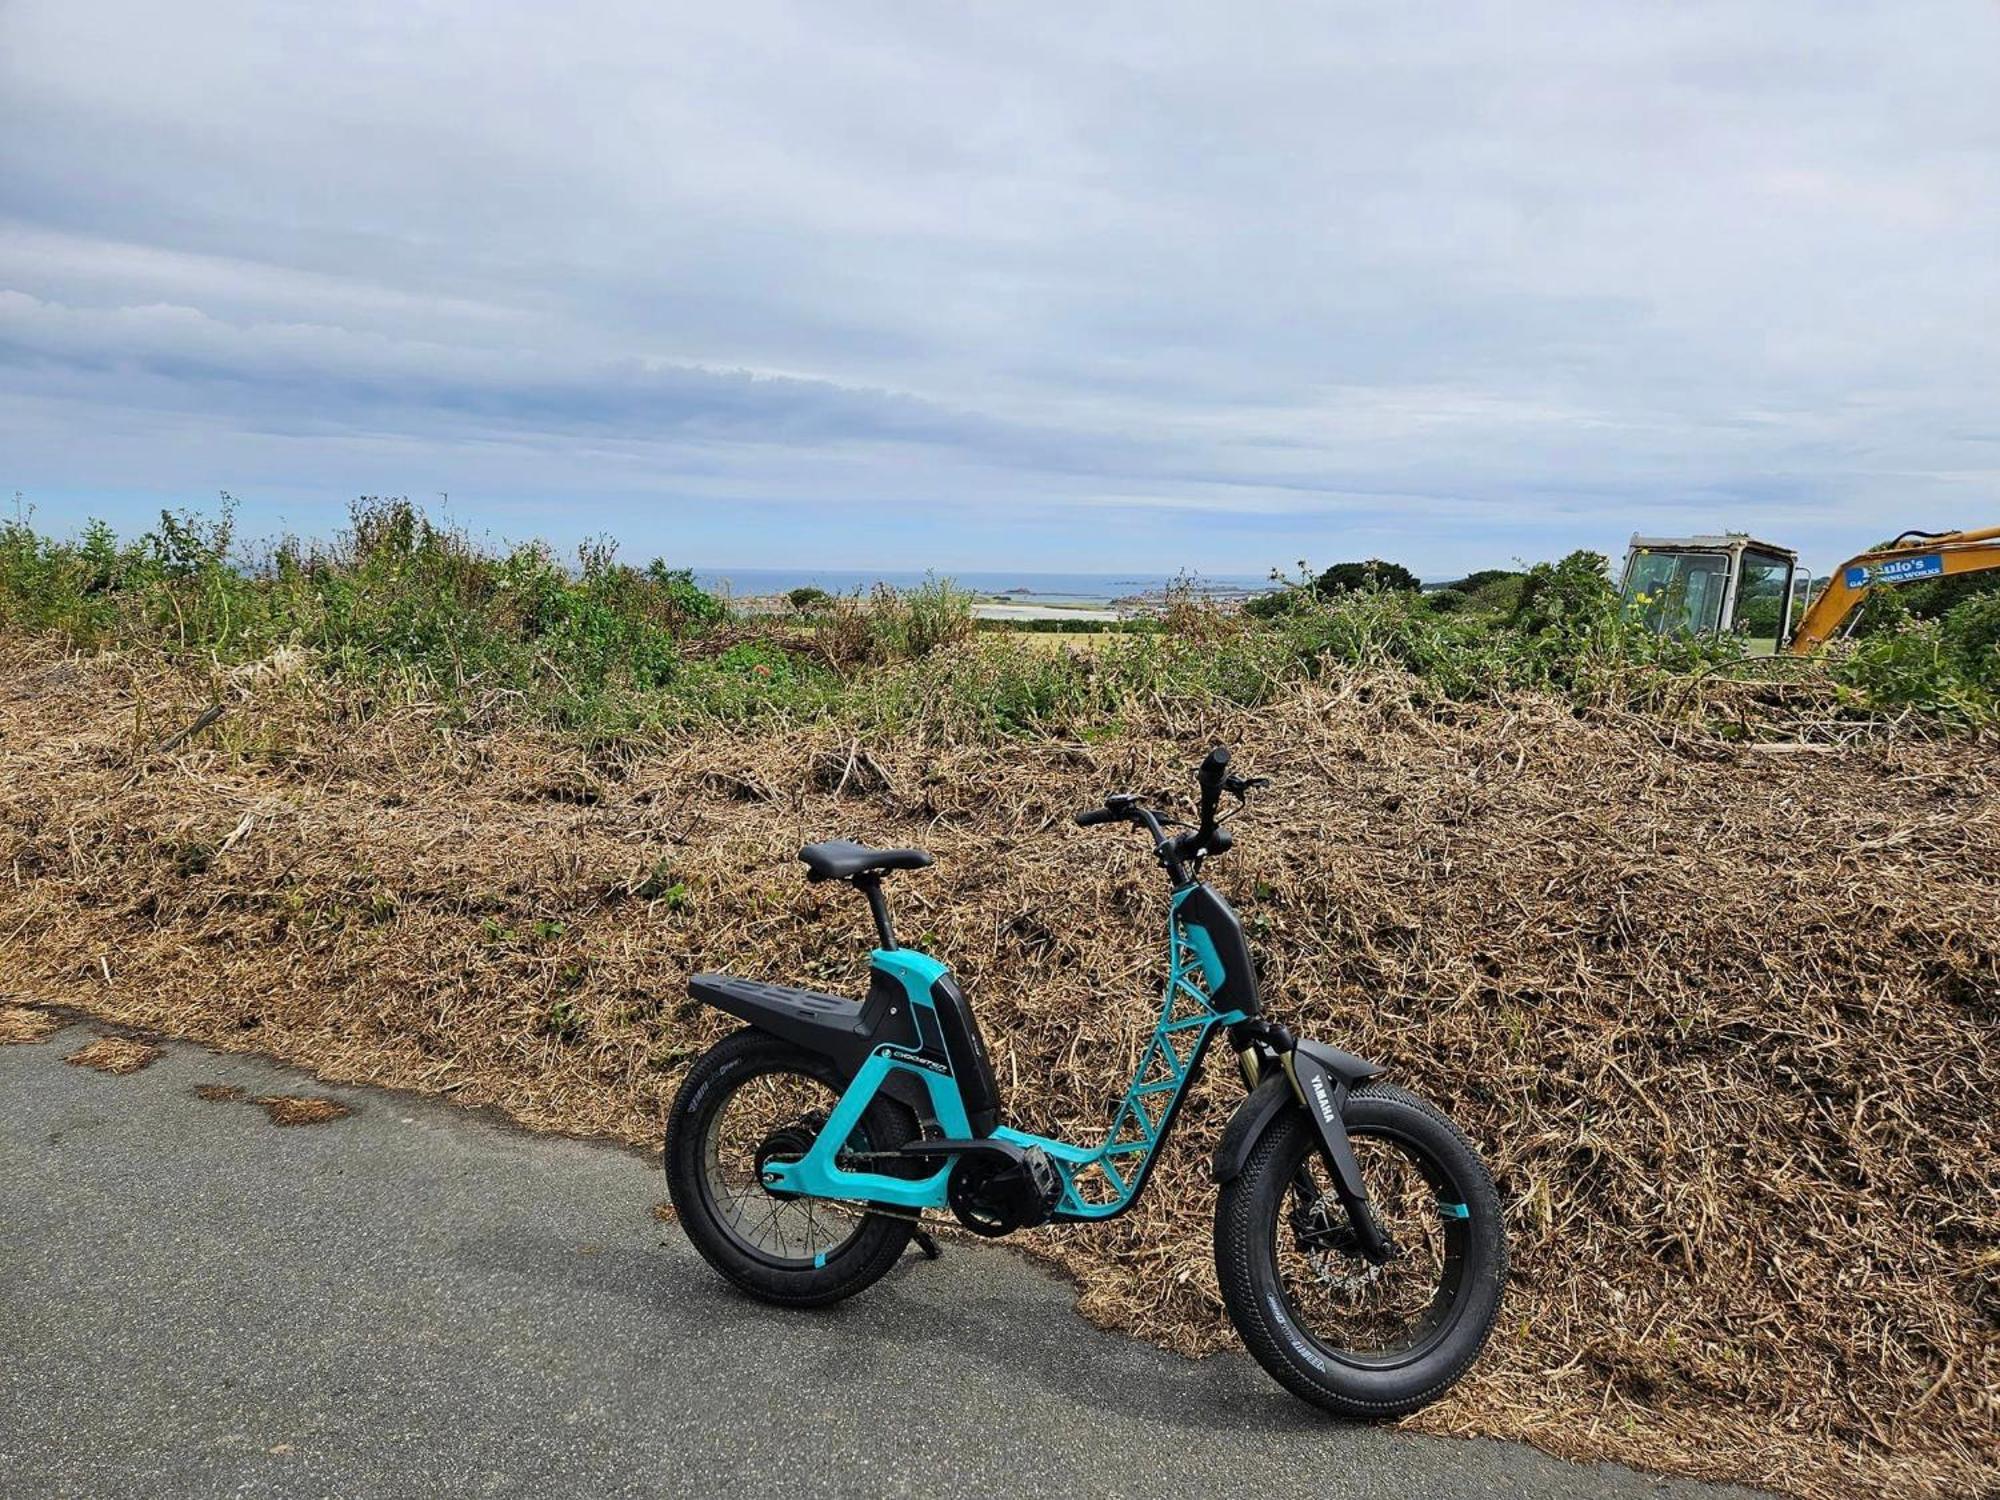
point(1246, 1127)
point(1274, 1094)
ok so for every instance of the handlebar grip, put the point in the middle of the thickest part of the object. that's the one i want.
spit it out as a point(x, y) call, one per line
point(1211, 773)
point(1090, 817)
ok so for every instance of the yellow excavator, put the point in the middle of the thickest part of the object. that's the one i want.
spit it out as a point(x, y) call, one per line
point(1735, 583)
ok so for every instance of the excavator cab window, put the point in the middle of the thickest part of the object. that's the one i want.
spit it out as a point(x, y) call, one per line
point(1801, 600)
point(1675, 591)
point(1763, 601)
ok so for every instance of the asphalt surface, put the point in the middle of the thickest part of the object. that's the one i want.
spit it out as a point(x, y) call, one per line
point(417, 1301)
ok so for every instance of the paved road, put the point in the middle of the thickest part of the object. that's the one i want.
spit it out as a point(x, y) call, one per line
point(416, 1301)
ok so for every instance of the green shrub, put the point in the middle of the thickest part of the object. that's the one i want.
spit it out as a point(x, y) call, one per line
point(394, 594)
point(920, 620)
point(1974, 630)
point(1277, 603)
point(685, 605)
point(764, 660)
point(1946, 668)
point(1496, 590)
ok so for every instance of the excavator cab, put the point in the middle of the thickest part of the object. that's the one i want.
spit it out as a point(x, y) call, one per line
point(1705, 585)
point(1709, 585)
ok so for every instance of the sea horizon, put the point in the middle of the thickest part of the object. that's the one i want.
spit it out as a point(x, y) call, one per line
point(1032, 585)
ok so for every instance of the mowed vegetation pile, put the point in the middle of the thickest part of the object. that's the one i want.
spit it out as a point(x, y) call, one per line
point(1724, 1021)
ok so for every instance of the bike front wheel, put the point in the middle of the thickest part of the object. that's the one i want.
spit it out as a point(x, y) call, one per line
point(1357, 1338)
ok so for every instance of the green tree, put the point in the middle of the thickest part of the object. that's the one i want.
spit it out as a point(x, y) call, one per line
point(1351, 577)
point(1373, 576)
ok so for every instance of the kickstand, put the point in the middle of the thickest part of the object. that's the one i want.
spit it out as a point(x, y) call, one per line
point(926, 1244)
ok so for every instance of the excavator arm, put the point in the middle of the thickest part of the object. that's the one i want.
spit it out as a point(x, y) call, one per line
point(1913, 557)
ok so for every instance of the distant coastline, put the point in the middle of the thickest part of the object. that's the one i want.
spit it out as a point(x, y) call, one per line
point(1022, 595)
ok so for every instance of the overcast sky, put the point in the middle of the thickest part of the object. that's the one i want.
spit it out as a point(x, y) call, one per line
point(1094, 288)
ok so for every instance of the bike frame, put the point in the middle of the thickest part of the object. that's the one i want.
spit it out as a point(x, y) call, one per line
point(1098, 1182)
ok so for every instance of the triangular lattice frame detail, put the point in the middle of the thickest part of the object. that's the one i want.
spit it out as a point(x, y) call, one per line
point(1101, 1182)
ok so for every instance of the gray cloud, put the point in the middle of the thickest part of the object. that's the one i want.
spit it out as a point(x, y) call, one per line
point(1462, 281)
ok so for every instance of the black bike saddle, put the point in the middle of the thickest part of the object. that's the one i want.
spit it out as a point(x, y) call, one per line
point(843, 859)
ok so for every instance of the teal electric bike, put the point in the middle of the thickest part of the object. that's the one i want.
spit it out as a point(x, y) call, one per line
point(1358, 1237)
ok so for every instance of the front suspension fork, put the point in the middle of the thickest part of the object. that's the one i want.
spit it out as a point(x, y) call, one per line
point(1320, 1078)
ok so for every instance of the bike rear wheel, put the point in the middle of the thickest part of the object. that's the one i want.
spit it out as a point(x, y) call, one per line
point(751, 1098)
point(1359, 1339)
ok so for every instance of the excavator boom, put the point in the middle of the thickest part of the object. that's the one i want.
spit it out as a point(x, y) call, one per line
point(1913, 557)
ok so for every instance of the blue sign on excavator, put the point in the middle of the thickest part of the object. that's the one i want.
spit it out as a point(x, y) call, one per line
point(1900, 570)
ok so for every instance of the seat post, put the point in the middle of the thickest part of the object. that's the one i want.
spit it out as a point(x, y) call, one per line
point(871, 887)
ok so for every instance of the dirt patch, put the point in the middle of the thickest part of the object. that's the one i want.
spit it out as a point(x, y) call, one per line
point(22, 1023)
point(115, 1054)
point(1726, 1025)
point(664, 1212)
point(296, 1109)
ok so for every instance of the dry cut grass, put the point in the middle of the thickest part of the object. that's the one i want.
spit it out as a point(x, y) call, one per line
point(1724, 1023)
point(300, 1109)
point(114, 1054)
point(23, 1023)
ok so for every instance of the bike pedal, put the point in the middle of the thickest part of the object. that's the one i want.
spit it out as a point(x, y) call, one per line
point(928, 1245)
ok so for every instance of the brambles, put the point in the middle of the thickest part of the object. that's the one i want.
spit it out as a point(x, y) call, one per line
point(1947, 668)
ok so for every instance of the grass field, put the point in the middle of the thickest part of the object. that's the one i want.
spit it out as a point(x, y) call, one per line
point(1058, 640)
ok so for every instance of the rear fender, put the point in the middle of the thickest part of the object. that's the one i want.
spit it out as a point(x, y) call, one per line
point(832, 1028)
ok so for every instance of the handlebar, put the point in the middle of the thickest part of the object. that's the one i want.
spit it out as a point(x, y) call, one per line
point(1206, 838)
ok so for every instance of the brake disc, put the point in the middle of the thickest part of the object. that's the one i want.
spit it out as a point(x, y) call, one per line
point(1327, 1242)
